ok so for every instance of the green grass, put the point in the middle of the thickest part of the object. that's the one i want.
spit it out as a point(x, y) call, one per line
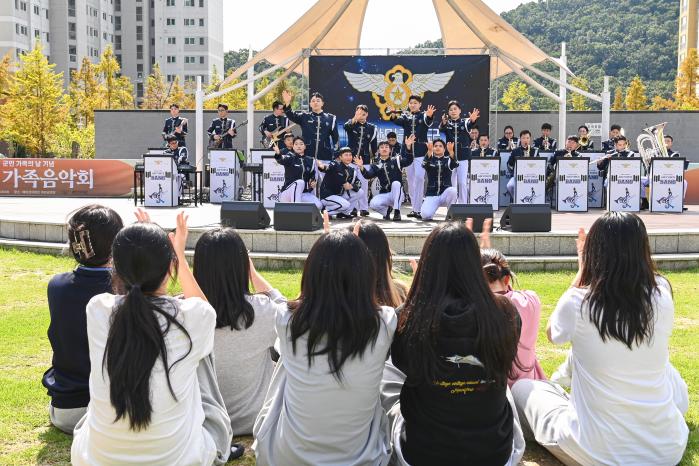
point(26, 436)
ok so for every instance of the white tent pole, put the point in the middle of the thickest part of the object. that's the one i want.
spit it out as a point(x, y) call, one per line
point(563, 96)
point(529, 80)
point(199, 125)
point(251, 108)
point(606, 109)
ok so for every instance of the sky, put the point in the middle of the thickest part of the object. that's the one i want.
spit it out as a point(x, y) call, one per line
point(250, 21)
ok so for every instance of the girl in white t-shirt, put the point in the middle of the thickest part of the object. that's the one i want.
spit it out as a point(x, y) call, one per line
point(627, 402)
point(153, 392)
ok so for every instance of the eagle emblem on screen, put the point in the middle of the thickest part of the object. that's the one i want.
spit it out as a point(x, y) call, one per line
point(392, 89)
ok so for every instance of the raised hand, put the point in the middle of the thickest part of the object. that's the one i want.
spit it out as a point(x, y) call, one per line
point(326, 222)
point(358, 161)
point(347, 186)
point(485, 234)
point(179, 237)
point(357, 113)
point(275, 146)
point(474, 114)
point(409, 141)
point(429, 149)
point(287, 97)
point(356, 229)
point(450, 149)
point(142, 216)
point(321, 165)
point(444, 118)
point(430, 110)
point(413, 265)
point(580, 242)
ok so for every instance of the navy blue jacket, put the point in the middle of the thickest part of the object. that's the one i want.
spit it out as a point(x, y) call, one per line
point(362, 139)
point(603, 165)
point(318, 130)
point(438, 171)
point(396, 149)
point(476, 153)
point(67, 381)
point(273, 123)
point(297, 168)
point(521, 152)
point(169, 129)
point(553, 161)
point(179, 155)
point(539, 144)
point(222, 125)
point(457, 131)
point(608, 145)
point(389, 170)
point(418, 124)
point(336, 175)
point(672, 153)
point(503, 143)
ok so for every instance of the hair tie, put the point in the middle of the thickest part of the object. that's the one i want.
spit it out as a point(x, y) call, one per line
point(136, 286)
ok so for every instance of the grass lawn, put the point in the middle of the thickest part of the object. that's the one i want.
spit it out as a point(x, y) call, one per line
point(26, 436)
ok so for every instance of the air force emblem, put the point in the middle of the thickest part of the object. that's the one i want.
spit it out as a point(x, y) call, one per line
point(393, 89)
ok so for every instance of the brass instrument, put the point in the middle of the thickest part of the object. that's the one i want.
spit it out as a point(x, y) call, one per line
point(547, 144)
point(527, 151)
point(510, 144)
point(584, 141)
point(482, 152)
point(474, 145)
point(651, 143)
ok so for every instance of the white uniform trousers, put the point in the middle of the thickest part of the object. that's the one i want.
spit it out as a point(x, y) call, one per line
point(363, 202)
point(381, 202)
point(294, 193)
point(459, 178)
point(343, 204)
point(416, 183)
point(432, 203)
point(511, 189)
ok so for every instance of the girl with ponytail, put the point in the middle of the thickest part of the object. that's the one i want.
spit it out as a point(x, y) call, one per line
point(153, 392)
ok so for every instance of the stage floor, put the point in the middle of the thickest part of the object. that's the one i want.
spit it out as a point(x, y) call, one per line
point(57, 210)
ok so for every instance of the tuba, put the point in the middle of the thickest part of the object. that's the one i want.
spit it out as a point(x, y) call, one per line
point(651, 143)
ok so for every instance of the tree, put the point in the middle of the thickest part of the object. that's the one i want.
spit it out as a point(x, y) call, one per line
point(660, 103)
point(687, 81)
point(35, 106)
point(68, 133)
point(85, 93)
point(578, 101)
point(516, 97)
point(618, 103)
point(156, 90)
point(5, 76)
point(118, 90)
point(636, 95)
point(179, 96)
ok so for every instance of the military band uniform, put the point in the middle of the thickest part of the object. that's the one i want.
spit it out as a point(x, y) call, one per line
point(396, 148)
point(389, 176)
point(181, 158)
point(418, 124)
point(299, 172)
point(318, 130)
point(335, 198)
point(675, 154)
point(173, 123)
point(518, 152)
point(504, 144)
point(362, 139)
point(273, 123)
point(608, 145)
point(481, 153)
point(539, 144)
point(590, 145)
point(553, 165)
point(439, 191)
point(221, 126)
point(457, 131)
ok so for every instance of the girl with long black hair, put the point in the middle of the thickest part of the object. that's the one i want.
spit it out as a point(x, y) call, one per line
point(627, 402)
point(455, 346)
point(153, 392)
point(323, 404)
point(245, 331)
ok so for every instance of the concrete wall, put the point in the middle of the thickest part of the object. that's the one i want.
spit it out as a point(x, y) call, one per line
point(127, 134)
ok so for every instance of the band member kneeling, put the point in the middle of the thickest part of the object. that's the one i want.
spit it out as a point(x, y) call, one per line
point(340, 189)
point(438, 168)
point(299, 174)
point(388, 170)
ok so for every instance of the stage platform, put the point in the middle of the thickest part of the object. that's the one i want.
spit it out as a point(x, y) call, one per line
point(38, 224)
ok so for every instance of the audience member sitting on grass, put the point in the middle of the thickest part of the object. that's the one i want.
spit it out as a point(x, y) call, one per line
point(627, 401)
point(153, 392)
point(245, 331)
point(91, 231)
point(499, 276)
point(323, 404)
point(456, 342)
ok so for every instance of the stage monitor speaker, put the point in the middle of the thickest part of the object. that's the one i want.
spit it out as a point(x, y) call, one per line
point(297, 216)
point(478, 212)
point(244, 215)
point(526, 218)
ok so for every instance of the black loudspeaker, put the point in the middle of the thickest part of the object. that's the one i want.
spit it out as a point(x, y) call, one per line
point(297, 216)
point(478, 212)
point(244, 215)
point(526, 217)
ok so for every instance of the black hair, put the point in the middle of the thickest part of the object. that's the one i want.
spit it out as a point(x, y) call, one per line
point(291, 135)
point(574, 137)
point(620, 273)
point(510, 128)
point(335, 311)
point(363, 107)
point(391, 134)
point(171, 138)
point(481, 135)
point(453, 102)
point(317, 94)
point(385, 289)
point(383, 143)
point(276, 104)
point(621, 137)
point(222, 106)
point(344, 150)
point(523, 132)
point(669, 137)
point(450, 279)
point(438, 140)
point(222, 270)
point(495, 265)
point(174, 106)
point(584, 126)
point(546, 126)
point(615, 127)
point(91, 232)
point(296, 138)
point(475, 127)
point(415, 97)
point(143, 257)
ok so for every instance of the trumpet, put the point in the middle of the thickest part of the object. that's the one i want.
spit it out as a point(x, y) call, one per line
point(584, 141)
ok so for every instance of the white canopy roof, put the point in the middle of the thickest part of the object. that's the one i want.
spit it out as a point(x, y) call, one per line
point(335, 27)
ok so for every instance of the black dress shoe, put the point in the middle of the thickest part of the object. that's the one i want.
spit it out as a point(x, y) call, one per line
point(364, 213)
point(644, 203)
point(396, 216)
point(353, 213)
point(418, 216)
point(388, 214)
point(342, 216)
point(413, 214)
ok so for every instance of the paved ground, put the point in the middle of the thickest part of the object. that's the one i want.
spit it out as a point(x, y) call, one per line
point(57, 210)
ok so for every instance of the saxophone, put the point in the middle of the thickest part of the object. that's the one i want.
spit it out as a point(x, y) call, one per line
point(510, 144)
point(547, 144)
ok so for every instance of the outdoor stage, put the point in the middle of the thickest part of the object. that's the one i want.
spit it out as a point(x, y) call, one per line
point(38, 224)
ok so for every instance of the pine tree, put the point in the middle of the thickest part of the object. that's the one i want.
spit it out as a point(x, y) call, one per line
point(687, 82)
point(85, 93)
point(36, 104)
point(517, 97)
point(636, 95)
point(156, 90)
point(618, 103)
point(118, 89)
point(578, 101)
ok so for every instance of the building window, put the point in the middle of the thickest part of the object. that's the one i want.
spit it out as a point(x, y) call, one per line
point(117, 23)
point(188, 2)
point(139, 13)
point(22, 6)
point(139, 90)
point(72, 31)
point(37, 33)
point(201, 22)
point(117, 5)
point(189, 22)
point(71, 8)
point(172, 40)
point(189, 59)
point(139, 33)
point(172, 59)
point(201, 60)
point(170, 2)
point(117, 42)
point(170, 78)
point(201, 41)
point(48, 38)
point(73, 52)
point(201, 3)
point(170, 21)
point(139, 52)
point(36, 10)
point(189, 41)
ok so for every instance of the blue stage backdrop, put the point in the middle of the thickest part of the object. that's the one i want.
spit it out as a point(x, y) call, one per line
point(383, 82)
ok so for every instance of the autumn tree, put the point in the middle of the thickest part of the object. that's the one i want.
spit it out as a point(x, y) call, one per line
point(618, 103)
point(179, 96)
point(687, 81)
point(517, 97)
point(118, 90)
point(86, 93)
point(636, 95)
point(155, 91)
point(35, 105)
point(577, 101)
